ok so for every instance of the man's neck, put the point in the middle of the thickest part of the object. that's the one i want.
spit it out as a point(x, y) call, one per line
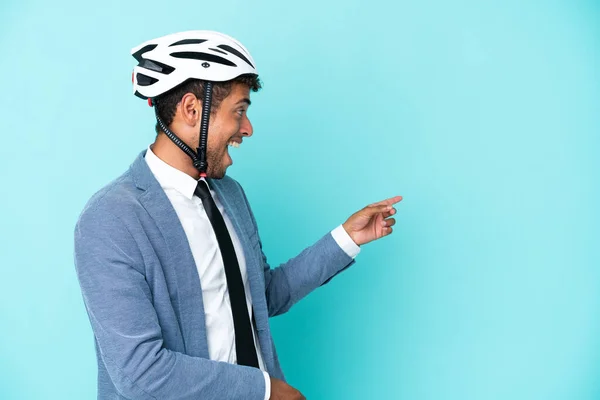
point(168, 151)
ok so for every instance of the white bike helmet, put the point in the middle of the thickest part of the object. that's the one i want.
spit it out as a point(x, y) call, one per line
point(169, 61)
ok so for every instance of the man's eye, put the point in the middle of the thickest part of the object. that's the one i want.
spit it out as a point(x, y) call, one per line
point(240, 112)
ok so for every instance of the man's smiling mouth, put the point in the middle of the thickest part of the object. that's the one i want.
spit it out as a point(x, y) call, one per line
point(235, 142)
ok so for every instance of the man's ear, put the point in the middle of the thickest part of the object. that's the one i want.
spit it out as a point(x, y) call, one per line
point(189, 109)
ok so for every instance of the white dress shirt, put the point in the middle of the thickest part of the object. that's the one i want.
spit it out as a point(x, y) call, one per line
point(179, 188)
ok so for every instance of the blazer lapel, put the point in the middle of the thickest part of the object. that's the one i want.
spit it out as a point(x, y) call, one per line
point(178, 266)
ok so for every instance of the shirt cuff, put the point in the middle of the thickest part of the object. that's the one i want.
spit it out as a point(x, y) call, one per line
point(267, 386)
point(345, 241)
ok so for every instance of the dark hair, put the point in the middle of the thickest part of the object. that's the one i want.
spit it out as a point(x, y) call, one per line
point(166, 103)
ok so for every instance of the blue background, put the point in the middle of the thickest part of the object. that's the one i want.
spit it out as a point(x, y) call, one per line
point(483, 115)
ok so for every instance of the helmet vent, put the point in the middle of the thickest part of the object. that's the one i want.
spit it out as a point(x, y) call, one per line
point(138, 54)
point(234, 51)
point(188, 41)
point(203, 57)
point(157, 66)
point(217, 50)
point(145, 80)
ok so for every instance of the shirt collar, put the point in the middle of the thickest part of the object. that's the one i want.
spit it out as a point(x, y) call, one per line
point(169, 177)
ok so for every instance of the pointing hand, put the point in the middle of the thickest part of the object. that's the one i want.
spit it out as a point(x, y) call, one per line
point(372, 222)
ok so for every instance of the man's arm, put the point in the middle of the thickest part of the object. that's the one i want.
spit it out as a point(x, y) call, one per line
point(291, 281)
point(332, 254)
point(119, 304)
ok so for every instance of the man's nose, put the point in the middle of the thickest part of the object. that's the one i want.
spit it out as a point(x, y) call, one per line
point(246, 128)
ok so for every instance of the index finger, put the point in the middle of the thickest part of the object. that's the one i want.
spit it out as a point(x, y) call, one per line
point(389, 202)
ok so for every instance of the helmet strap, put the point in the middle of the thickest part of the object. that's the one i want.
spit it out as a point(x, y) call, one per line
point(198, 157)
point(201, 163)
point(184, 147)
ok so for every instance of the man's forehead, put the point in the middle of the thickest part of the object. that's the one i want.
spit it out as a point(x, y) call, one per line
point(240, 93)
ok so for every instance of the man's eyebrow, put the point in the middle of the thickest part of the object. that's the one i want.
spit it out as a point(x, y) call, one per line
point(244, 100)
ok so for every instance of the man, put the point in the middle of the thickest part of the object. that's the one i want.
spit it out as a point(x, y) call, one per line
point(168, 256)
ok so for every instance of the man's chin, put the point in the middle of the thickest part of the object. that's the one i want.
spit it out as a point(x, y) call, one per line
point(221, 163)
point(217, 174)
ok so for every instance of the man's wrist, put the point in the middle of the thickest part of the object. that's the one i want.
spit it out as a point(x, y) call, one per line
point(345, 241)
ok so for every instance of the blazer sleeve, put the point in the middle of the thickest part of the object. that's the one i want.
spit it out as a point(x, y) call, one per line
point(118, 300)
point(315, 266)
